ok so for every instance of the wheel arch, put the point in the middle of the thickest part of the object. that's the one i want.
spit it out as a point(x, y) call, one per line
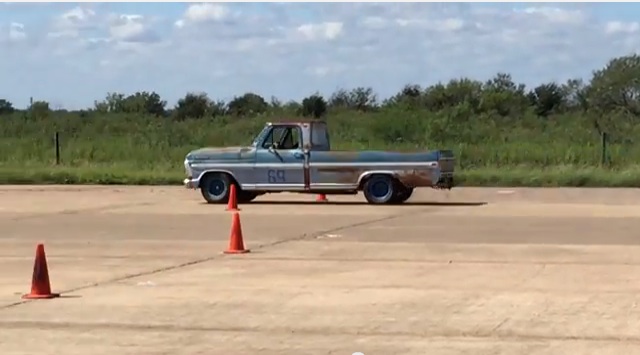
point(369, 174)
point(232, 177)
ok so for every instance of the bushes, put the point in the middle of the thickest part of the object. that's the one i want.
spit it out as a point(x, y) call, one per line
point(479, 141)
point(499, 130)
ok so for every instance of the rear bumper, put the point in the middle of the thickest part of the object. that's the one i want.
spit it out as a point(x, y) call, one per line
point(446, 181)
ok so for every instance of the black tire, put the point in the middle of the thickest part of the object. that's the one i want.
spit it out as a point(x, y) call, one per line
point(246, 196)
point(405, 195)
point(402, 194)
point(216, 187)
point(380, 189)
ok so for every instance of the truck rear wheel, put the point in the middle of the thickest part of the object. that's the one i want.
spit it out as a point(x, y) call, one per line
point(402, 194)
point(379, 189)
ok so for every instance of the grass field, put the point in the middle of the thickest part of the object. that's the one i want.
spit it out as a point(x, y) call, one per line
point(133, 149)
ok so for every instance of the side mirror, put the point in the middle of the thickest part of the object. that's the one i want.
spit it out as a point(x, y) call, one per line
point(273, 147)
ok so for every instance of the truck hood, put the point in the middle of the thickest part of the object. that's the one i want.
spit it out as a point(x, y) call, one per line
point(216, 153)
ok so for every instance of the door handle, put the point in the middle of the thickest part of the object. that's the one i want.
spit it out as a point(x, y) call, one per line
point(298, 155)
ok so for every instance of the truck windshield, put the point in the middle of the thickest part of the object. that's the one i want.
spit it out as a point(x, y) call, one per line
point(260, 136)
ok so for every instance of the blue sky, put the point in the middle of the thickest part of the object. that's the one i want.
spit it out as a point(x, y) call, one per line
point(71, 54)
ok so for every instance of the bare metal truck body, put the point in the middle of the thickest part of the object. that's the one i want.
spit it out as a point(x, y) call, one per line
point(297, 157)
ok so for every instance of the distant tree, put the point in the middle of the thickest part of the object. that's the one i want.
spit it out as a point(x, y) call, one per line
point(340, 99)
point(6, 107)
point(140, 102)
point(503, 96)
point(410, 96)
point(193, 106)
point(217, 108)
point(292, 106)
point(314, 106)
point(546, 99)
point(275, 103)
point(455, 92)
point(115, 102)
point(363, 99)
point(360, 98)
point(412, 91)
point(617, 86)
point(145, 103)
point(248, 104)
point(574, 93)
point(40, 109)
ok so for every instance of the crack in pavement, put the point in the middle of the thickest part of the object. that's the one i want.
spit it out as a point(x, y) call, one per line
point(218, 256)
point(433, 333)
point(82, 210)
point(447, 261)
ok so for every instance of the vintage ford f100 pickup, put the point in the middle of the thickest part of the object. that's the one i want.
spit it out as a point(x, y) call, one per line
point(297, 157)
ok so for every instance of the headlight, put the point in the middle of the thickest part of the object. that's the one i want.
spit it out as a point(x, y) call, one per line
point(187, 167)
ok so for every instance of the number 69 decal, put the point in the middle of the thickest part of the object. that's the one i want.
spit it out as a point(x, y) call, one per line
point(276, 176)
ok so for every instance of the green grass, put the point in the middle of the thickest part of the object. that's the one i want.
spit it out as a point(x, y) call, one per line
point(563, 150)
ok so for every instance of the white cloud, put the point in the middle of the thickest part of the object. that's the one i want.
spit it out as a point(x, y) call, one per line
point(326, 30)
point(293, 49)
point(374, 22)
point(557, 15)
point(16, 32)
point(613, 27)
point(131, 28)
point(72, 22)
point(206, 12)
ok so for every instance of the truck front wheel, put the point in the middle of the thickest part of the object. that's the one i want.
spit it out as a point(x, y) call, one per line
point(246, 196)
point(215, 187)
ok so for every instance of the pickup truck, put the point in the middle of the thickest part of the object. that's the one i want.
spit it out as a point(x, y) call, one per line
point(297, 157)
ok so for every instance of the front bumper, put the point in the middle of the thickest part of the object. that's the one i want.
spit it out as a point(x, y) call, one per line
point(191, 183)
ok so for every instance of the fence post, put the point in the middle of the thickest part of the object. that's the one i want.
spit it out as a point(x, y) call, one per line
point(603, 154)
point(56, 140)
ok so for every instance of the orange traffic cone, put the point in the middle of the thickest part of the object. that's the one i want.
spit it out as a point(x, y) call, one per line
point(236, 242)
point(322, 198)
point(40, 286)
point(233, 199)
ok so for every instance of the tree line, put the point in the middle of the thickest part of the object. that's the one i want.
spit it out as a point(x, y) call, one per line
point(612, 90)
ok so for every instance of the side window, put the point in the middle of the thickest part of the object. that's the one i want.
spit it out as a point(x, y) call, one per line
point(285, 138)
point(319, 137)
point(275, 136)
point(292, 139)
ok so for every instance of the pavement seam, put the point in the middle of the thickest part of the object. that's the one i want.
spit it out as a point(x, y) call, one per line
point(446, 333)
point(82, 210)
point(447, 261)
point(219, 256)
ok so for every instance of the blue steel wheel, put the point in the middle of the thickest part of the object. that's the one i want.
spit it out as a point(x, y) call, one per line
point(379, 189)
point(215, 187)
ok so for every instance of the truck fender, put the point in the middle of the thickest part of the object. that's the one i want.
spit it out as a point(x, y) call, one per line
point(366, 174)
point(209, 171)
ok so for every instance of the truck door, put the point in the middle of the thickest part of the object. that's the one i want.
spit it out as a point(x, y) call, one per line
point(280, 159)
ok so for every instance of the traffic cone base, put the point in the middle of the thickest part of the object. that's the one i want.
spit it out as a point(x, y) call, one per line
point(232, 205)
point(237, 251)
point(35, 297)
point(40, 286)
point(236, 242)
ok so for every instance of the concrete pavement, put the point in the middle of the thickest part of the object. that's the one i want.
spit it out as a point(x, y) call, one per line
point(470, 271)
